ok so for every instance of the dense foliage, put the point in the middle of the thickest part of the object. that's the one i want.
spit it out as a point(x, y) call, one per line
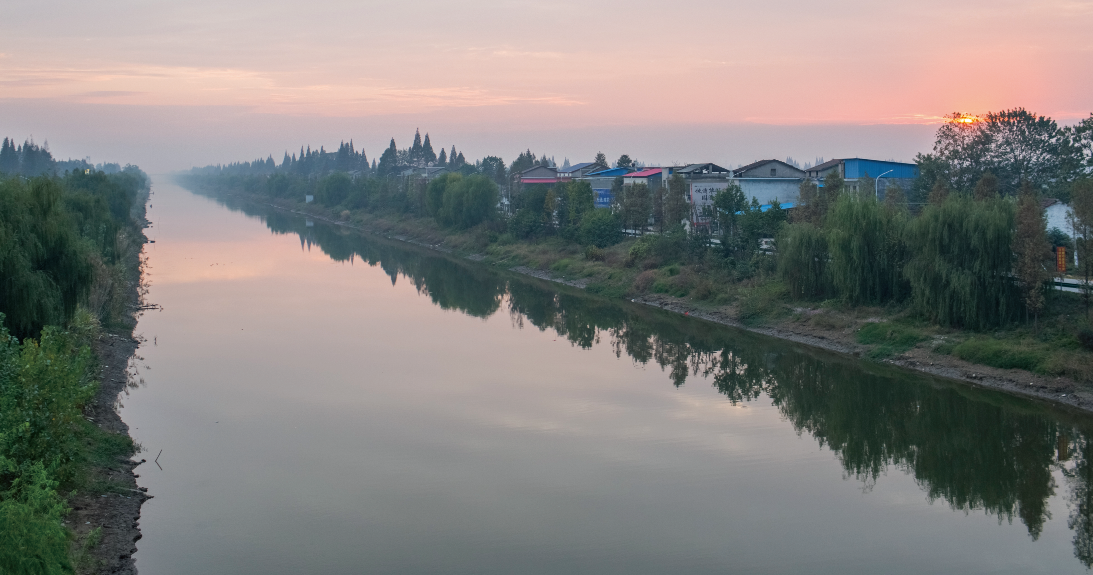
point(65, 241)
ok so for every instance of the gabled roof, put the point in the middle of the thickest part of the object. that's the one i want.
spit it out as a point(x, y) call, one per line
point(825, 165)
point(754, 165)
point(702, 168)
point(644, 173)
point(539, 168)
point(576, 167)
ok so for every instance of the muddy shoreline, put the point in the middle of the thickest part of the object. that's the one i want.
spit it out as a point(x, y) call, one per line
point(117, 511)
point(1060, 392)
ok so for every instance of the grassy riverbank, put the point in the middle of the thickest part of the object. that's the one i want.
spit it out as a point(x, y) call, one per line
point(72, 269)
point(1048, 359)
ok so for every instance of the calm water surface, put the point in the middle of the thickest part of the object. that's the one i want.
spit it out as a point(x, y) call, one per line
point(331, 403)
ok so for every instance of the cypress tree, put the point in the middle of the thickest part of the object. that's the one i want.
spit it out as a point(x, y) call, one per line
point(416, 152)
point(427, 154)
point(9, 157)
point(443, 159)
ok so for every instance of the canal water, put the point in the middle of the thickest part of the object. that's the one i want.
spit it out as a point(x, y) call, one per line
point(326, 402)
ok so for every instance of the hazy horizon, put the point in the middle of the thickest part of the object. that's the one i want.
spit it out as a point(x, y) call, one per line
point(168, 86)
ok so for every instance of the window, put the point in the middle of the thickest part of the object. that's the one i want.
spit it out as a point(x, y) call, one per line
point(773, 172)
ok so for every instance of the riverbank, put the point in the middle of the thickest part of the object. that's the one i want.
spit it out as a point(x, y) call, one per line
point(105, 516)
point(872, 334)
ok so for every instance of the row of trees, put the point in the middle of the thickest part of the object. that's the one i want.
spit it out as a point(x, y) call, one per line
point(964, 261)
point(1013, 146)
point(30, 159)
point(65, 241)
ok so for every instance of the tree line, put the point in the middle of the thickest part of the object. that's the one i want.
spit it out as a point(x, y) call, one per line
point(67, 268)
point(965, 246)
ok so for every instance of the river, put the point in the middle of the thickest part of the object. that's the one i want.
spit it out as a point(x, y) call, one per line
point(327, 402)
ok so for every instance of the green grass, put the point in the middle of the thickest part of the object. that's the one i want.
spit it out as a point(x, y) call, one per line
point(1002, 354)
point(889, 338)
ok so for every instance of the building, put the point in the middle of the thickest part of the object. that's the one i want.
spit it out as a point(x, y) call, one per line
point(652, 177)
point(852, 170)
point(704, 171)
point(428, 172)
point(602, 182)
point(579, 171)
point(539, 175)
point(769, 180)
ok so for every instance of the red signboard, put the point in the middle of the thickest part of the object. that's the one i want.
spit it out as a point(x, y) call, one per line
point(1060, 259)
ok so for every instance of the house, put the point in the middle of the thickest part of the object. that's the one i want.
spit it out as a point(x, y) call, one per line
point(428, 172)
point(652, 177)
point(539, 175)
point(703, 171)
point(602, 181)
point(1055, 213)
point(853, 169)
point(769, 180)
point(579, 170)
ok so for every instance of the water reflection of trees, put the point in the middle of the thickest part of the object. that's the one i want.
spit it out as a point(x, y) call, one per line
point(973, 449)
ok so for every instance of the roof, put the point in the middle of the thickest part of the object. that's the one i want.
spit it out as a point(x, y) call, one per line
point(692, 168)
point(644, 173)
point(576, 167)
point(611, 172)
point(754, 165)
point(825, 165)
point(538, 168)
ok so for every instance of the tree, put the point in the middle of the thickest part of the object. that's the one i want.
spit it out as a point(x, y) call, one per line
point(9, 157)
point(522, 162)
point(600, 158)
point(416, 150)
point(1032, 250)
point(388, 160)
point(600, 228)
point(1014, 145)
point(961, 262)
point(938, 194)
point(624, 161)
point(428, 156)
point(987, 187)
point(727, 204)
point(677, 205)
point(634, 204)
point(1080, 219)
point(443, 159)
point(493, 167)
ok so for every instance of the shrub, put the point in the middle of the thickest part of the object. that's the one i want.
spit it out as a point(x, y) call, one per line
point(1085, 337)
point(600, 228)
point(644, 281)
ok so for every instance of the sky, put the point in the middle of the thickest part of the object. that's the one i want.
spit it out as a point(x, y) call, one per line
point(169, 85)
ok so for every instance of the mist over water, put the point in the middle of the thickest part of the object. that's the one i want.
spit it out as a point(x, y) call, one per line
point(335, 403)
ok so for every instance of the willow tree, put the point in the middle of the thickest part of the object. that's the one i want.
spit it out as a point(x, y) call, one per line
point(961, 259)
point(802, 260)
point(45, 267)
point(866, 250)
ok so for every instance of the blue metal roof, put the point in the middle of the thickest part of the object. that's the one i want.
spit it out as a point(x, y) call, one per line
point(857, 168)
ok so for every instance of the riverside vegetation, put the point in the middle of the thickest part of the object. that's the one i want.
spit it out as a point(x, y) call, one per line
point(958, 264)
point(69, 265)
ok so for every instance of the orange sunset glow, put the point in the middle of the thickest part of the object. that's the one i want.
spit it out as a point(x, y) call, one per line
point(247, 79)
